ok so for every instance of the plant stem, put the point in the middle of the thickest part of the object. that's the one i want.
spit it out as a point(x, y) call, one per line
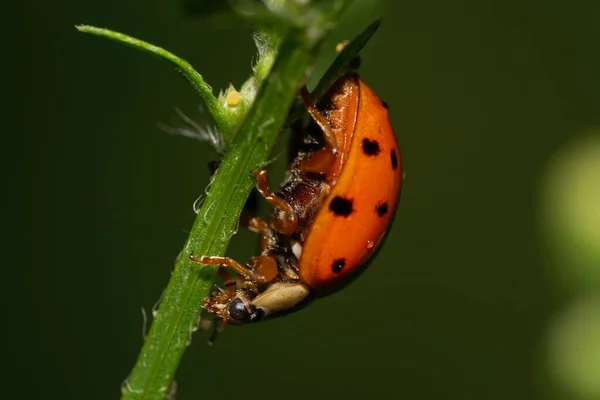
point(221, 118)
point(217, 219)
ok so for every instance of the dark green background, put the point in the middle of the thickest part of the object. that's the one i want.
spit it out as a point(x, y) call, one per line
point(482, 94)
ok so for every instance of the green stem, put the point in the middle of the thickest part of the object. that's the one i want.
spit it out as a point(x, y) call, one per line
point(221, 118)
point(217, 219)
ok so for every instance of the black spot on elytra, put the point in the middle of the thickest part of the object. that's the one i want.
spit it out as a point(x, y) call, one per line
point(381, 209)
point(394, 159)
point(338, 264)
point(370, 147)
point(385, 105)
point(341, 206)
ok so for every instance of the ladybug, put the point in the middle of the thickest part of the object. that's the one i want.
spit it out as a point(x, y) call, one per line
point(330, 216)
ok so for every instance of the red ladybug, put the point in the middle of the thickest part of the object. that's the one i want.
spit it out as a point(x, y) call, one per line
point(335, 206)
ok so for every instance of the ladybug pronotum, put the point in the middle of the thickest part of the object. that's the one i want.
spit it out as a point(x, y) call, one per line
point(331, 214)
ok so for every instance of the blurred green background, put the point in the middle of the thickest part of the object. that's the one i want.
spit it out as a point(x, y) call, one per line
point(488, 285)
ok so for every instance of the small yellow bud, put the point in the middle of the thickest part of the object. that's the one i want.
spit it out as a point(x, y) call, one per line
point(233, 98)
point(340, 46)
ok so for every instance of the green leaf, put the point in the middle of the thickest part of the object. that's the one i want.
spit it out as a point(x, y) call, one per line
point(343, 60)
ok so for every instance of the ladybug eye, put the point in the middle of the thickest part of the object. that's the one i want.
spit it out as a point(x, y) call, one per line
point(245, 312)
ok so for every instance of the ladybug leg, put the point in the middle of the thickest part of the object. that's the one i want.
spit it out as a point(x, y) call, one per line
point(225, 275)
point(320, 120)
point(259, 225)
point(262, 268)
point(230, 282)
point(213, 335)
point(266, 266)
point(319, 162)
point(287, 220)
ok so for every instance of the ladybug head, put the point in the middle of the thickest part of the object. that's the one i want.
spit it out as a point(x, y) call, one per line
point(242, 311)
